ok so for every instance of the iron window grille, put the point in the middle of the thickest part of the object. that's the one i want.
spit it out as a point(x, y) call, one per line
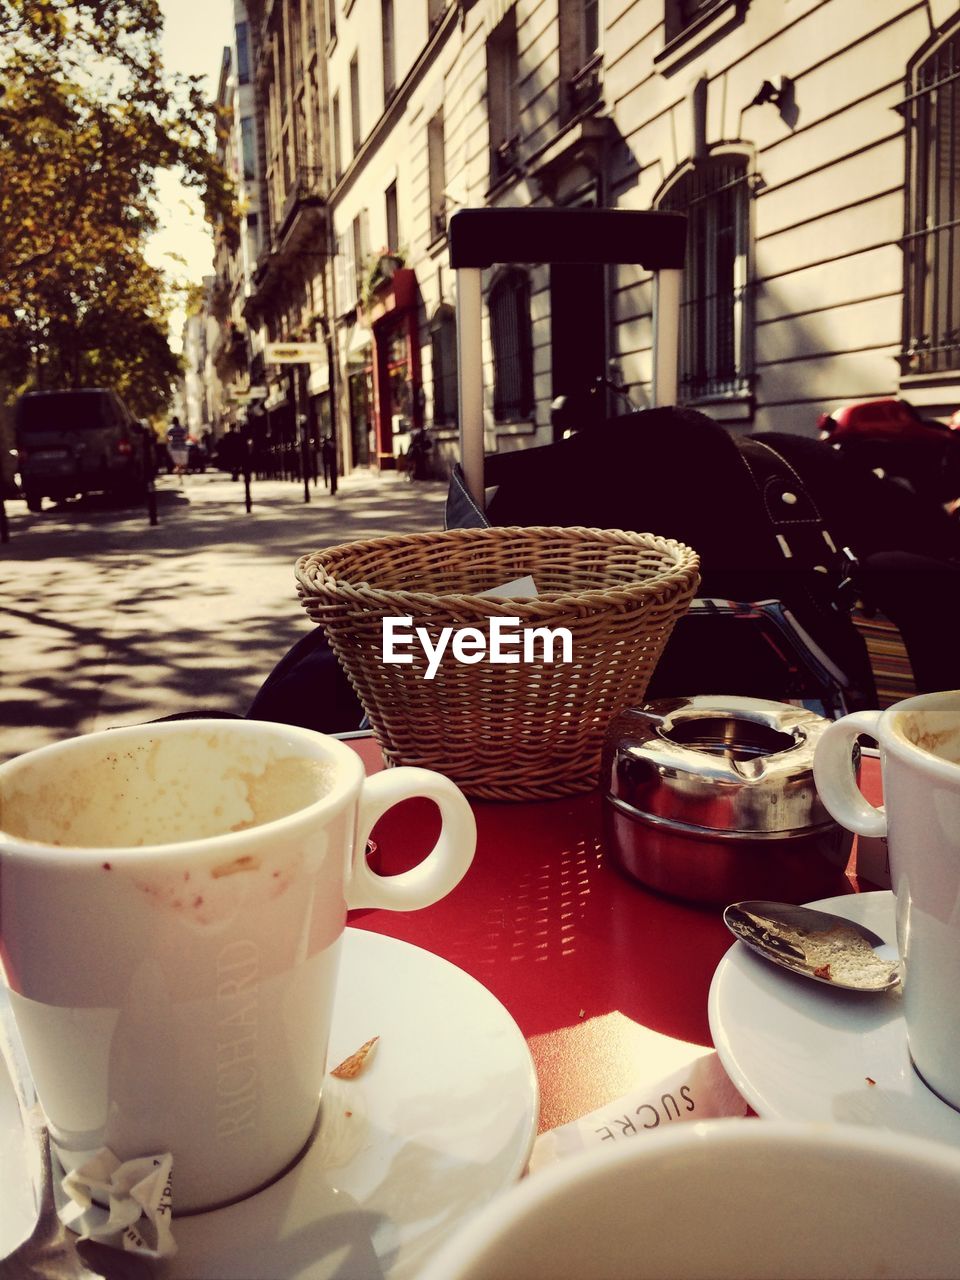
point(931, 244)
point(715, 357)
point(512, 339)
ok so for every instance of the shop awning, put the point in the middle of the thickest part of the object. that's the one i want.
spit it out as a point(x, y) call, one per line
point(319, 379)
point(359, 343)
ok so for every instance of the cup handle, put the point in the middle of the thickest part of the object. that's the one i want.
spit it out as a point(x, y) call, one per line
point(836, 781)
point(441, 870)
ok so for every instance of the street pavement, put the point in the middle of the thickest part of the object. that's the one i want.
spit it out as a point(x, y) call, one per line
point(108, 620)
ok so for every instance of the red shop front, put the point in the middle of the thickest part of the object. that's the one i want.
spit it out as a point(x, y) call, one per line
point(397, 394)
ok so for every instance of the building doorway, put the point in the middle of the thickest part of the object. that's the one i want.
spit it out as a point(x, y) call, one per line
point(360, 394)
point(397, 379)
point(399, 406)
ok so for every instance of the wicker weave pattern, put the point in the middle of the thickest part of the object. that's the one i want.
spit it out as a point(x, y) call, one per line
point(523, 731)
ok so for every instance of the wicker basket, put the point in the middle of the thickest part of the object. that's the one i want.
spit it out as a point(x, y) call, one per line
point(519, 731)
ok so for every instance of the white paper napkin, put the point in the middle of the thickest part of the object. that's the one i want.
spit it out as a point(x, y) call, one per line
point(138, 1196)
point(701, 1090)
point(519, 589)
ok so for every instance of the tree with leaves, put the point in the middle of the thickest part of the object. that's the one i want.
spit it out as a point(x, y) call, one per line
point(88, 117)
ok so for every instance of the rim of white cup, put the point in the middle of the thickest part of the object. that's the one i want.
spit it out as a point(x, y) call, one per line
point(468, 1243)
point(70, 855)
point(893, 739)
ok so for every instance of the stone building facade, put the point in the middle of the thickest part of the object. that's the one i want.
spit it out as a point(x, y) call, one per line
point(288, 293)
point(813, 145)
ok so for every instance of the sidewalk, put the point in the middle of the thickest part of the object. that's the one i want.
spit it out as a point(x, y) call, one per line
point(109, 621)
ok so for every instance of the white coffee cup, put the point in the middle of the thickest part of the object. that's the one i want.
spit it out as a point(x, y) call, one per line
point(919, 743)
point(172, 899)
point(722, 1200)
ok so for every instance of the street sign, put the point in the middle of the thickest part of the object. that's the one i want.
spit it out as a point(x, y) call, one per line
point(295, 352)
point(245, 397)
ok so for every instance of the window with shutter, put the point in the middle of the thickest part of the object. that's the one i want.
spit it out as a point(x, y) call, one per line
point(436, 176)
point(443, 342)
point(503, 98)
point(580, 56)
point(388, 46)
point(355, 135)
point(337, 143)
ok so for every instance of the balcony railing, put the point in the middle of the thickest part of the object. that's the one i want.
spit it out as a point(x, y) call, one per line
point(438, 220)
point(305, 192)
point(584, 88)
point(505, 158)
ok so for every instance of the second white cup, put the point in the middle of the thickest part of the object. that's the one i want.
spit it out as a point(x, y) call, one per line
point(919, 742)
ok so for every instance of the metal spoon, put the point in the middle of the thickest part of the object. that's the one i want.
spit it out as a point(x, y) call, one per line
point(52, 1251)
point(816, 944)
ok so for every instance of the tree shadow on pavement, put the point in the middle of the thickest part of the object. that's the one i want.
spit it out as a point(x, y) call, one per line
point(110, 621)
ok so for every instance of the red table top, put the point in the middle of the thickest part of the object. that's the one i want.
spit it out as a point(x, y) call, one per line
point(582, 956)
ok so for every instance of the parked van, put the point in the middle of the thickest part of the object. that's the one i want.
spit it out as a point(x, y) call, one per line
point(76, 442)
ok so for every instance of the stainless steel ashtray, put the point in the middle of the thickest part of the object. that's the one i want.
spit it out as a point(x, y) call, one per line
point(712, 799)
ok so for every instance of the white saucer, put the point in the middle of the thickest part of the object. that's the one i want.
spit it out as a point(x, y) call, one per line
point(797, 1050)
point(442, 1118)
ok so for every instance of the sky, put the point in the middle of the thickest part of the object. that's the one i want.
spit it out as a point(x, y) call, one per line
point(195, 32)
